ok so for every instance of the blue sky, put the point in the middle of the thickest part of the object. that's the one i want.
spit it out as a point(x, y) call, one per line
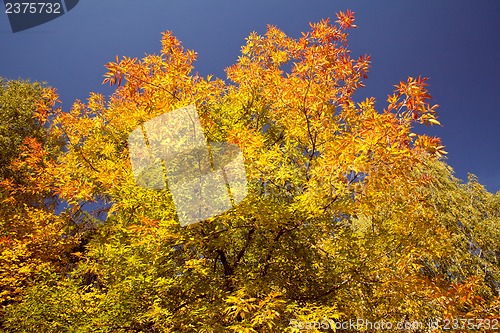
point(454, 43)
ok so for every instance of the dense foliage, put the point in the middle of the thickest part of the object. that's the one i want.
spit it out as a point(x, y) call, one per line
point(349, 214)
point(35, 242)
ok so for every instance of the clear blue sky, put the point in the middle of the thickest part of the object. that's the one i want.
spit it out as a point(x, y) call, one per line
point(454, 43)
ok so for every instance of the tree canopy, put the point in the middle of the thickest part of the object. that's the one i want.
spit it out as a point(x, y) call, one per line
point(349, 213)
point(33, 240)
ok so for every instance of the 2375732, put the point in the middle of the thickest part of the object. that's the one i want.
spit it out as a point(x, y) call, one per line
point(33, 8)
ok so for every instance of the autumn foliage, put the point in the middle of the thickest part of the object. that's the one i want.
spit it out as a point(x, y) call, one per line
point(350, 214)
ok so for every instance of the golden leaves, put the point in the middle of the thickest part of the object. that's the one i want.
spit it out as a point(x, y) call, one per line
point(344, 202)
point(45, 107)
point(254, 312)
point(431, 145)
point(411, 101)
point(346, 19)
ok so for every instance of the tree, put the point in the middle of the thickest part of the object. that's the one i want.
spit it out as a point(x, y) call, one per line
point(34, 240)
point(18, 102)
point(349, 214)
